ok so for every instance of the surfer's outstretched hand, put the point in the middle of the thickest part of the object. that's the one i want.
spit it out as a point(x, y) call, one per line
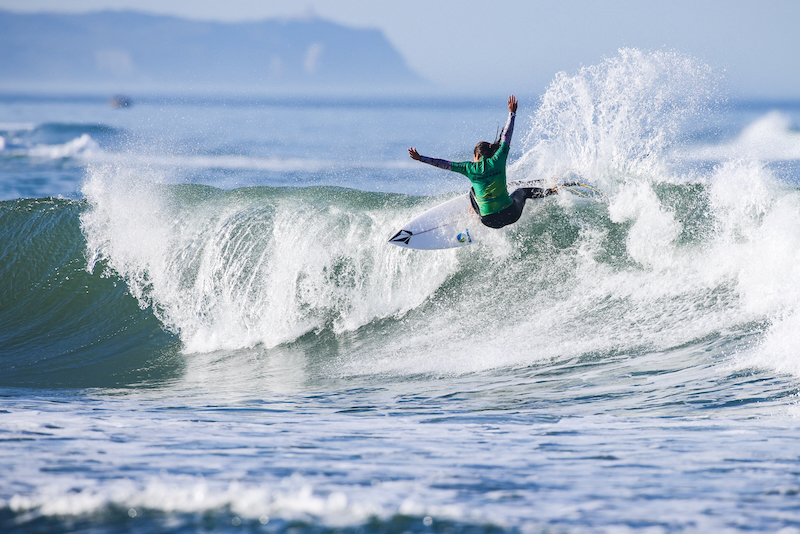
point(414, 154)
point(512, 104)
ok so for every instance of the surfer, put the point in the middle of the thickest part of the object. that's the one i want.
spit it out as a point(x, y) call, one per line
point(487, 172)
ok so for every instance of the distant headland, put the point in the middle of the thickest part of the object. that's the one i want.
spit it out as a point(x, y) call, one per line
point(125, 49)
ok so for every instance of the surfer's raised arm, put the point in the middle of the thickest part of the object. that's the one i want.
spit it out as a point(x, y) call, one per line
point(482, 149)
point(441, 163)
point(508, 130)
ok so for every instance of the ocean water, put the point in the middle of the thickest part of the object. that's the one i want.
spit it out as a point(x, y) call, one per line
point(203, 327)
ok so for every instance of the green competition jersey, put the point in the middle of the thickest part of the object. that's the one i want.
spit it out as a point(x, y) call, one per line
point(488, 177)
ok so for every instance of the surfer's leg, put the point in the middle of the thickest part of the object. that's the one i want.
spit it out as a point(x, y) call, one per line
point(510, 215)
point(519, 196)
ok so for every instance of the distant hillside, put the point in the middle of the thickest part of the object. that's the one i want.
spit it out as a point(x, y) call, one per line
point(148, 50)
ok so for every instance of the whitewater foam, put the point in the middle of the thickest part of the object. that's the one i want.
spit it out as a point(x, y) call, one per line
point(80, 147)
point(293, 499)
point(616, 120)
point(654, 229)
point(230, 270)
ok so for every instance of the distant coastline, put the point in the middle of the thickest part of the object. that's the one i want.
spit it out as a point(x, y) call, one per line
point(130, 51)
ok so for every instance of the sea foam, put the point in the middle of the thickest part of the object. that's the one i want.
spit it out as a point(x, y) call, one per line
point(83, 147)
point(234, 269)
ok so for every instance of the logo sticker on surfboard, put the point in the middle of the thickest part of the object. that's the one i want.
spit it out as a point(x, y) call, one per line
point(403, 236)
point(464, 237)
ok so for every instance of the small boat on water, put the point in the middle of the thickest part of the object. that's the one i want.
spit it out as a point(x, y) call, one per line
point(120, 101)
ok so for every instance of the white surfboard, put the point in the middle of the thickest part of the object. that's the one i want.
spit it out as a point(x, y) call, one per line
point(451, 224)
point(444, 226)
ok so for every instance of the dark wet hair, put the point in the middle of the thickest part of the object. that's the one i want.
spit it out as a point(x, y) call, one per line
point(487, 149)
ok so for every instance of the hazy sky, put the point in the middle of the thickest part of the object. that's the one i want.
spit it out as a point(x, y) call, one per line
point(471, 46)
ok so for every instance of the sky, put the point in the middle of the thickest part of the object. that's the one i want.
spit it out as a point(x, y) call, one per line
point(470, 46)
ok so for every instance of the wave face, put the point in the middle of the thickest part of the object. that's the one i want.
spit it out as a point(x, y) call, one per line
point(59, 324)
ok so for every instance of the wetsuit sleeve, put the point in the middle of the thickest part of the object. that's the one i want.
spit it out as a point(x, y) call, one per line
point(461, 168)
point(441, 163)
point(508, 130)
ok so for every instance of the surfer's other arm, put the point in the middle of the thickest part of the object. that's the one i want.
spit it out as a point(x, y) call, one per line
point(441, 163)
